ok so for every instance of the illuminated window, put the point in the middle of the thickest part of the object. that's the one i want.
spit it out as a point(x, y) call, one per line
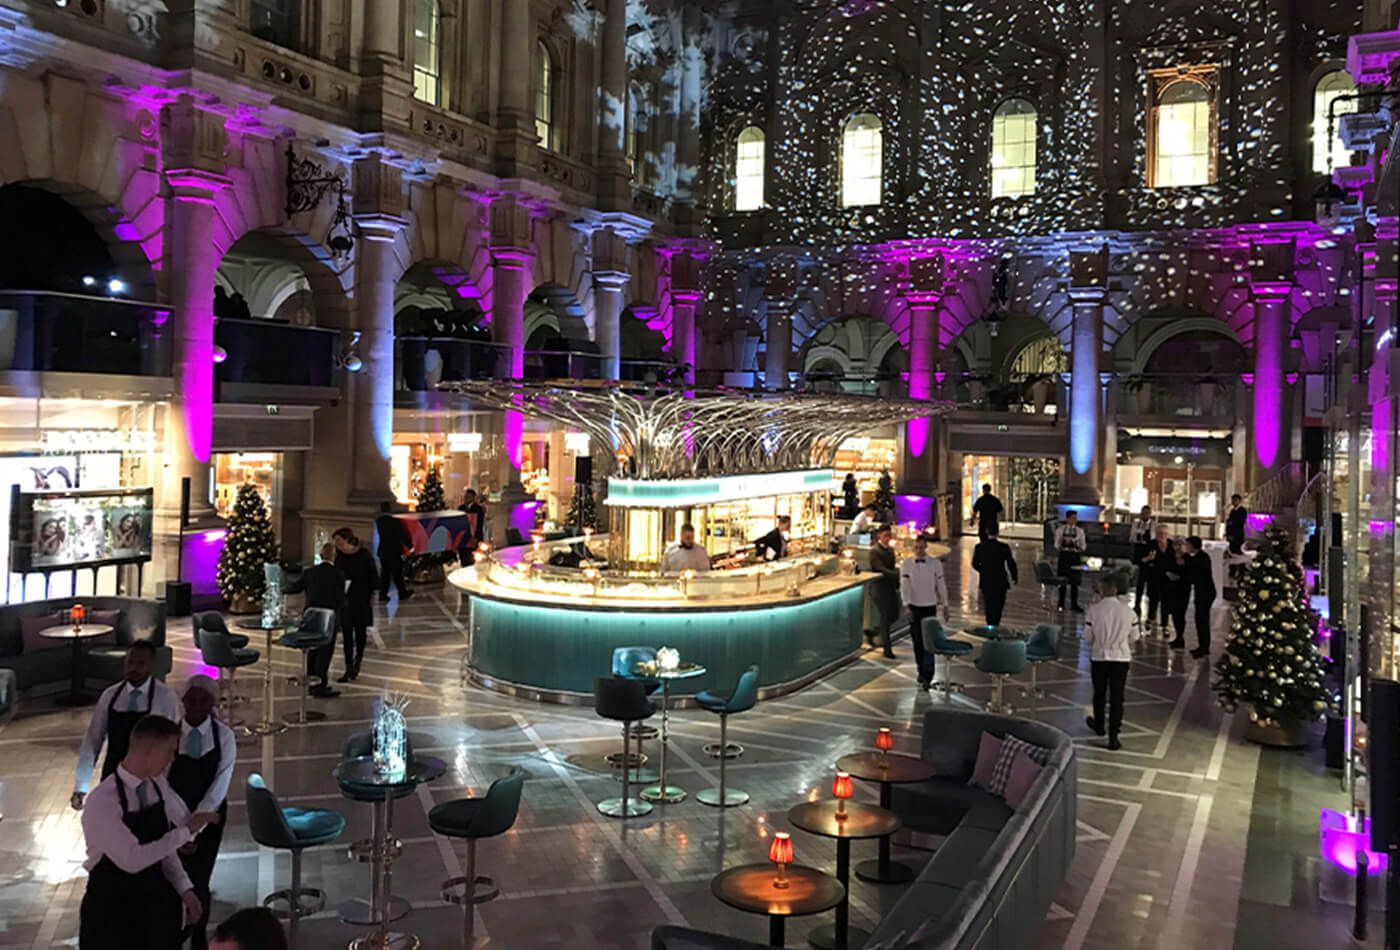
point(748, 170)
point(427, 51)
point(544, 96)
point(1181, 131)
point(635, 122)
point(1013, 149)
point(1328, 89)
point(862, 161)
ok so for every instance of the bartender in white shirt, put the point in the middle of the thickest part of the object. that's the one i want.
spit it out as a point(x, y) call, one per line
point(865, 523)
point(685, 555)
point(200, 775)
point(924, 590)
point(133, 825)
point(118, 710)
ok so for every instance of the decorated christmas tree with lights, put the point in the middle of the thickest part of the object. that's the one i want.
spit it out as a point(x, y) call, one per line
point(250, 544)
point(1271, 660)
point(583, 510)
point(431, 496)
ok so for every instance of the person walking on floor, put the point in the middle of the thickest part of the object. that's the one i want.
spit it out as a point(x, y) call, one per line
point(924, 591)
point(1200, 578)
point(1155, 564)
point(1071, 542)
point(986, 513)
point(1143, 531)
point(324, 586)
point(1235, 523)
point(996, 573)
point(884, 590)
point(1110, 630)
point(393, 538)
point(357, 567)
point(200, 775)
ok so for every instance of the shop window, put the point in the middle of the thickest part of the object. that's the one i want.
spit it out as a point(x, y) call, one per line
point(748, 170)
point(545, 77)
point(1013, 149)
point(276, 21)
point(1331, 152)
point(427, 51)
point(1182, 129)
point(234, 470)
point(862, 161)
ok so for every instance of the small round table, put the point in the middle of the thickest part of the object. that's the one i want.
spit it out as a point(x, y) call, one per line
point(661, 792)
point(360, 776)
point(75, 635)
point(751, 888)
point(861, 822)
point(985, 632)
point(889, 770)
point(267, 726)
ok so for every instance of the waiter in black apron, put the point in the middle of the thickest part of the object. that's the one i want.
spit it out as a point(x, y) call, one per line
point(200, 775)
point(133, 825)
point(1071, 542)
point(118, 709)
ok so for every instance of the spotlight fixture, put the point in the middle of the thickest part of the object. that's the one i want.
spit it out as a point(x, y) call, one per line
point(89, 280)
point(220, 354)
point(349, 358)
point(116, 286)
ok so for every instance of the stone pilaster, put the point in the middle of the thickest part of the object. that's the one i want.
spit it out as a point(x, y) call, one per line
point(1082, 483)
point(614, 184)
point(610, 277)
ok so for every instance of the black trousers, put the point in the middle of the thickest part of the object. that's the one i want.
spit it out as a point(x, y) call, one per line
point(200, 867)
point(1176, 607)
point(355, 632)
point(1110, 682)
point(993, 603)
point(1203, 605)
point(318, 661)
point(1069, 570)
point(886, 612)
point(923, 660)
point(1141, 586)
point(390, 570)
point(1158, 601)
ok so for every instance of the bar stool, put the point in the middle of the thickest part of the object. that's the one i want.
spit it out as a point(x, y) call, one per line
point(1040, 648)
point(472, 819)
point(625, 701)
point(216, 649)
point(316, 629)
point(1002, 659)
point(294, 830)
point(625, 661)
point(740, 699)
point(357, 910)
point(213, 620)
point(937, 643)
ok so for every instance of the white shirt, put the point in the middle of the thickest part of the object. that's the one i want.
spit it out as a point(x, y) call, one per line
point(228, 755)
point(1070, 538)
point(863, 524)
point(921, 582)
point(679, 558)
point(1111, 628)
point(107, 835)
point(164, 702)
point(1144, 530)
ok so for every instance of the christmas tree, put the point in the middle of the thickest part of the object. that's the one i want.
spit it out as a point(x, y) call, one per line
point(1271, 660)
point(250, 544)
point(583, 511)
point(431, 496)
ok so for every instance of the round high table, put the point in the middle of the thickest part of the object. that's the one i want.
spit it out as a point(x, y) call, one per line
point(889, 770)
point(661, 793)
point(860, 822)
point(75, 635)
point(267, 726)
point(751, 888)
point(359, 775)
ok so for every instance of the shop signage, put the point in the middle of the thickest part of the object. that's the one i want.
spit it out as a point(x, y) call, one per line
point(463, 441)
point(1166, 452)
point(692, 492)
point(97, 440)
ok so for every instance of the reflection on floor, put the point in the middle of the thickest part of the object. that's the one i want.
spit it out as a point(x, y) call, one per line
point(1163, 824)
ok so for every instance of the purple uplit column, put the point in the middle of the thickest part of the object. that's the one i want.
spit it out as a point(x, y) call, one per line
point(1270, 340)
point(686, 287)
point(373, 387)
point(1081, 482)
point(923, 356)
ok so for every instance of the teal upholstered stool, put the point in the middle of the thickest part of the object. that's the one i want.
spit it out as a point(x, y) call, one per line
point(472, 819)
point(314, 630)
point(937, 643)
point(740, 699)
point(1049, 578)
point(217, 650)
point(623, 700)
point(1040, 648)
point(1001, 659)
point(294, 830)
point(625, 663)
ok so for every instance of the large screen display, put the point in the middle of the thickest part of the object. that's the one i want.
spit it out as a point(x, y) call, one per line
point(59, 530)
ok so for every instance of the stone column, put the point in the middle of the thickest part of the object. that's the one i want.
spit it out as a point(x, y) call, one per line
point(1081, 486)
point(685, 298)
point(614, 185)
point(610, 277)
point(780, 290)
point(383, 39)
point(688, 117)
point(512, 259)
point(515, 112)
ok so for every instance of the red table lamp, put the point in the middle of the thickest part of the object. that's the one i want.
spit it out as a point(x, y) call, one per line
point(780, 853)
point(884, 741)
point(842, 788)
point(78, 613)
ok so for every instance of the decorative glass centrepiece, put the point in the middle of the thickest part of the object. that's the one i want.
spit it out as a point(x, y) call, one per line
point(391, 737)
point(272, 594)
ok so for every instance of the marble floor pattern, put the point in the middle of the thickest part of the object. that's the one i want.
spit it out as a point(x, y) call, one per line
point(1163, 824)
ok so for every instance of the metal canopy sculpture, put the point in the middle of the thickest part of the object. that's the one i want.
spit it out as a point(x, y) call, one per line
point(660, 433)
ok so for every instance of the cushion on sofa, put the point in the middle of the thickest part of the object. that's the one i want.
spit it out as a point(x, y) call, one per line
point(988, 754)
point(31, 627)
point(1011, 746)
point(1024, 772)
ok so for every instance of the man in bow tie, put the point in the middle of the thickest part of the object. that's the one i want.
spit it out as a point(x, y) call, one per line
point(924, 590)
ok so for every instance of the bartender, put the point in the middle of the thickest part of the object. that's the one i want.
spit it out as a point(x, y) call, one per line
point(773, 545)
point(200, 775)
point(685, 555)
point(118, 709)
point(133, 825)
point(865, 523)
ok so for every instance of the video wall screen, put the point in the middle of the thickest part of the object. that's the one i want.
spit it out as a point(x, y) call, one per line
point(60, 530)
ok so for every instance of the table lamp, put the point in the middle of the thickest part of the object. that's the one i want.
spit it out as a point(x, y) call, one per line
point(842, 788)
point(78, 612)
point(780, 853)
point(884, 741)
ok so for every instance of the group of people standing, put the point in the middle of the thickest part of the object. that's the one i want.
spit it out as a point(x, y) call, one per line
point(1173, 572)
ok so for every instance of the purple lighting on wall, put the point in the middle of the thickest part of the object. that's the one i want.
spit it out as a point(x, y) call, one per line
point(1258, 522)
point(915, 508)
point(916, 432)
point(1268, 373)
point(1341, 838)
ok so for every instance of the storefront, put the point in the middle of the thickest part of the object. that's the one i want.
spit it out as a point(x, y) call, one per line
point(1184, 476)
point(867, 457)
point(1027, 486)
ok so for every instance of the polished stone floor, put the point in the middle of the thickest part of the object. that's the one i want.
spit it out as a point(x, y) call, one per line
point(1188, 837)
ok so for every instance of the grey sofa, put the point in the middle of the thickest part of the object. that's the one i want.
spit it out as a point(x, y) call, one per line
point(102, 662)
point(991, 881)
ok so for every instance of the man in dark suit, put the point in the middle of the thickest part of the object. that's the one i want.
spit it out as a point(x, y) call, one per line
point(324, 586)
point(392, 540)
point(1200, 577)
point(1235, 523)
point(884, 589)
point(476, 523)
point(773, 545)
point(996, 572)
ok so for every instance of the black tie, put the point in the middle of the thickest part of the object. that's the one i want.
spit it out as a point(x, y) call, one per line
point(918, 560)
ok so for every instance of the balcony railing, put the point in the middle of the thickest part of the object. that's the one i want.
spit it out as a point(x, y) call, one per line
point(423, 362)
point(1178, 395)
point(270, 352)
point(44, 331)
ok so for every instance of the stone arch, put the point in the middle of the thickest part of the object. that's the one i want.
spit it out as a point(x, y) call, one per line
point(864, 347)
point(282, 273)
point(639, 337)
point(551, 307)
point(437, 286)
point(1179, 327)
point(1026, 344)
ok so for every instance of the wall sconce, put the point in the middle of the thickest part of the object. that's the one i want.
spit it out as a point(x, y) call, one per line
point(349, 358)
point(307, 186)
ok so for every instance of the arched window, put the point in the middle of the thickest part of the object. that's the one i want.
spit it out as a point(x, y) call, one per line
point(862, 161)
point(748, 170)
point(1181, 147)
point(636, 121)
point(1328, 89)
point(427, 51)
point(1013, 149)
point(544, 95)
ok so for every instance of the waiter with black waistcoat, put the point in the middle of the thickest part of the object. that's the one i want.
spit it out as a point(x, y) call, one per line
point(1071, 542)
point(200, 775)
point(118, 709)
